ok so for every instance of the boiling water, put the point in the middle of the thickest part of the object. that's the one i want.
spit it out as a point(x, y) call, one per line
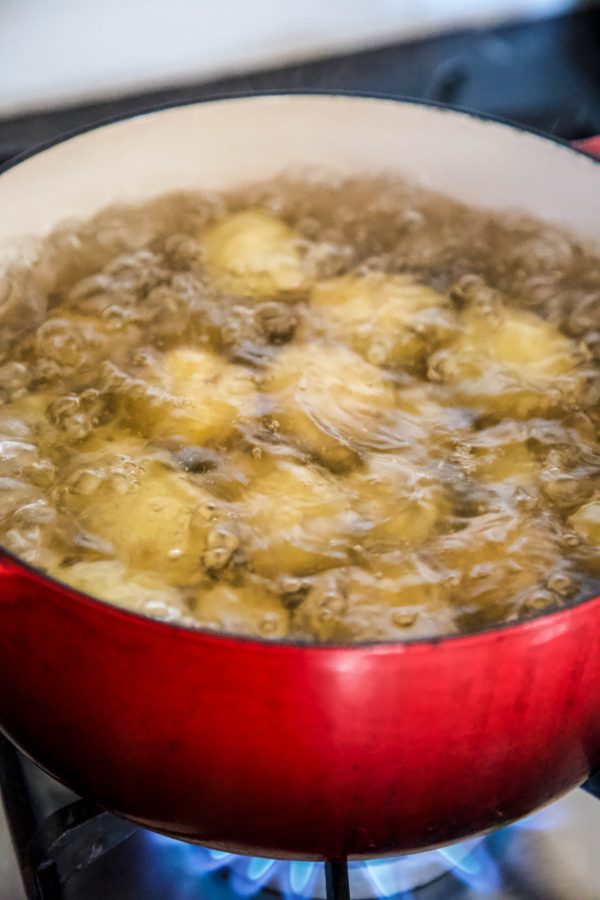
point(325, 411)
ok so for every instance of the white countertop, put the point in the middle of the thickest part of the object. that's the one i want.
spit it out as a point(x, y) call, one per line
point(60, 52)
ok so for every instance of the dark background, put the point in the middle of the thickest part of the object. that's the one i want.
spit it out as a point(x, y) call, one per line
point(543, 74)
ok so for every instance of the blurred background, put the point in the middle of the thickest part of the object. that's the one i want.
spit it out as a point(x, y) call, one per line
point(65, 63)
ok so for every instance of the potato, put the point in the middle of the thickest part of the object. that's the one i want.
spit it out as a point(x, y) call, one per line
point(502, 454)
point(192, 394)
point(389, 319)
point(153, 518)
point(249, 610)
point(495, 563)
point(331, 401)
point(400, 598)
point(253, 253)
point(509, 362)
point(426, 423)
point(140, 592)
point(403, 504)
point(300, 518)
point(586, 522)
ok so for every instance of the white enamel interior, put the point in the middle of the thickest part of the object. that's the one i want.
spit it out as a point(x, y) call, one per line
point(218, 144)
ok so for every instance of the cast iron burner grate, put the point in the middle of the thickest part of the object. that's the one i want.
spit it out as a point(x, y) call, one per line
point(56, 848)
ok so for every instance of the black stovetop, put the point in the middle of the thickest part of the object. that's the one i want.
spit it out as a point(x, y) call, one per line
point(544, 74)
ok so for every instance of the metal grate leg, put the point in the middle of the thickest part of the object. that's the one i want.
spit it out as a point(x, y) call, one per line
point(336, 880)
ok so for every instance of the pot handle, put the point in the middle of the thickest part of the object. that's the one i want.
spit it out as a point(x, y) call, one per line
point(589, 145)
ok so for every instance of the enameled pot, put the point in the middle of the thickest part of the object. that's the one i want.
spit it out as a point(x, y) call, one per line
point(273, 748)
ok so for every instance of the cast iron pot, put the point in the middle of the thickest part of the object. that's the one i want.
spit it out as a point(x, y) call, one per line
point(275, 748)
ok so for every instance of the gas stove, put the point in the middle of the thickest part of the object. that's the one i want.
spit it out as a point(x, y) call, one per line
point(544, 75)
point(68, 849)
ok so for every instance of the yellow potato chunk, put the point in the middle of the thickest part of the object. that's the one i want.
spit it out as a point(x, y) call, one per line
point(301, 520)
point(426, 423)
point(331, 401)
point(495, 562)
point(249, 610)
point(509, 362)
point(586, 522)
point(502, 454)
point(153, 518)
point(389, 319)
point(253, 253)
point(403, 504)
point(192, 394)
point(512, 462)
point(111, 580)
point(400, 598)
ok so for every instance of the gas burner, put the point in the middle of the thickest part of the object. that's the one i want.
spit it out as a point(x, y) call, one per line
point(69, 849)
point(315, 881)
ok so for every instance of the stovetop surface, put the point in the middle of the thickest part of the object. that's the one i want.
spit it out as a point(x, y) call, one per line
point(545, 75)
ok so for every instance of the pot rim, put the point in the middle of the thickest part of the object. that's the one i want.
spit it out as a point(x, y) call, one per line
point(476, 636)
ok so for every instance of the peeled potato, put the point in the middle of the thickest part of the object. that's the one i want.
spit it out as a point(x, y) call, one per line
point(586, 522)
point(331, 401)
point(153, 518)
point(401, 598)
point(253, 253)
point(192, 394)
point(111, 580)
point(502, 454)
point(301, 520)
point(509, 362)
point(389, 319)
point(403, 504)
point(249, 610)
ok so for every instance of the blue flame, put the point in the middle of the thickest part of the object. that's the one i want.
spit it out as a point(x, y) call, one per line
point(471, 862)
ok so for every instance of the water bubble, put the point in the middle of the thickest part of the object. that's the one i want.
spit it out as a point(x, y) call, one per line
point(332, 605)
point(40, 472)
point(22, 542)
point(404, 618)
point(269, 624)
point(539, 599)
point(14, 378)
point(175, 553)
point(221, 547)
point(124, 480)
point(116, 317)
point(561, 583)
point(38, 512)
point(377, 354)
point(85, 481)
point(160, 609)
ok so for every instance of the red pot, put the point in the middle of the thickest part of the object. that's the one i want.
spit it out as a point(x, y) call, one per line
point(273, 748)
